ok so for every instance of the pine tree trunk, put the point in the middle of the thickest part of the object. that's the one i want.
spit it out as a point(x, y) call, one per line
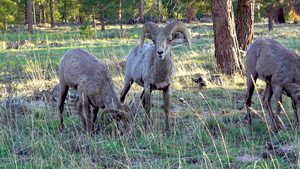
point(34, 14)
point(102, 18)
point(141, 11)
point(226, 44)
point(51, 13)
point(190, 14)
point(29, 16)
point(120, 17)
point(158, 11)
point(65, 11)
point(41, 16)
point(94, 23)
point(245, 22)
point(44, 13)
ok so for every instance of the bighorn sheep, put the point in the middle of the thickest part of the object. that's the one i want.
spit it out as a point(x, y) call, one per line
point(152, 67)
point(279, 67)
point(83, 72)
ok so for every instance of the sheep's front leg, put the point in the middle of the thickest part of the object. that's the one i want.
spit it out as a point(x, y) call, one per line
point(95, 113)
point(267, 100)
point(278, 98)
point(146, 97)
point(63, 94)
point(250, 90)
point(296, 112)
point(85, 103)
point(166, 95)
point(78, 105)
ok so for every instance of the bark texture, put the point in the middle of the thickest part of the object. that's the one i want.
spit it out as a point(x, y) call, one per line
point(226, 44)
point(245, 22)
point(51, 13)
point(29, 16)
point(141, 11)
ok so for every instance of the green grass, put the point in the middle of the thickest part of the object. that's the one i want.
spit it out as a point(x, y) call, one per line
point(210, 130)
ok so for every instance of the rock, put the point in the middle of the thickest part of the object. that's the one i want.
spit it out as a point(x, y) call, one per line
point(216, 79)
point(202, 81)
point(268, 154)
point(247, 158)
point(286, 151)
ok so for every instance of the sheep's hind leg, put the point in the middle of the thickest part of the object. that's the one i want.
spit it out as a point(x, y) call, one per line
point(87, 111)
point(127, 85)
point(166, 95)
point(63, 94)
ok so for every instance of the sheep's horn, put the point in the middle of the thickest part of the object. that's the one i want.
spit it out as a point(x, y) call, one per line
point(122, 113)
point(149, 27)
point(178, 27)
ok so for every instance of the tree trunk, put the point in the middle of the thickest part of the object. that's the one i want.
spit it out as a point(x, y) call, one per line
point(245, 22)
point(26, 13)
point(269, 13)
point(44, 13)
point(33, 12)
point(120, 17)
point(191, 16)
point(94, 23)
point(41, 16)
point(29, 16)
point(102, 18)
point(51, 13)
point(158, 11)
point(141, 11)
point(65, 11)
point(226, 44)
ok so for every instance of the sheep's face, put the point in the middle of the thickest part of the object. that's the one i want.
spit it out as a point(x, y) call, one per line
point(163, 43)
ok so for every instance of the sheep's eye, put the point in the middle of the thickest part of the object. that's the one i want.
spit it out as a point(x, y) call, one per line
point(153, 40)
point(169, 40)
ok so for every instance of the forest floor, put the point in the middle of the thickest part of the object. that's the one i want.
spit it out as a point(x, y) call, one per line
point(208, 130)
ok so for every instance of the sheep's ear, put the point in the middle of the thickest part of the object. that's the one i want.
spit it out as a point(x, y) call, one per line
point(148, 36)
point(175, 35)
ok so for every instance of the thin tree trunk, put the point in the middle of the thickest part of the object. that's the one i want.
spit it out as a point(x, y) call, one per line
point(41, 15)
point(245, 22)
point(158, 10)
point(51, 13)
point(141, 11)
point(34, 14)
point(226, 44)
point(26, 12)
point(29, 16)
point(65, 11)
point(102, 18)
point(94, 23)
point(44, 13)
point(120, 17)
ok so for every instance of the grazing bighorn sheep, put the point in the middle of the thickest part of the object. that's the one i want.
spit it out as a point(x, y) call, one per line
point(279, 67)
point(83, 72)
point(152, 67)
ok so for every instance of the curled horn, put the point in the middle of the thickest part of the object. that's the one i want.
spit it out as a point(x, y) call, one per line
point(122, 113)
point(178, 27)
point(149, 27)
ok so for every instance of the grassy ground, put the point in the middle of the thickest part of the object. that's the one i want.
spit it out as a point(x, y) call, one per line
point(209, 131)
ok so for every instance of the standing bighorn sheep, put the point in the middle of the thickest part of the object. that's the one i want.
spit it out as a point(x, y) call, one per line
point(152, 67)
point(83, 72)
point(279, 67)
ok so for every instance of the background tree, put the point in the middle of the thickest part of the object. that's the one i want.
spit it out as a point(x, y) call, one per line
point(29, 16)
point(141, 11)
point(245, 23)
point(51, 13)
point(226, 44)
point(7, 11)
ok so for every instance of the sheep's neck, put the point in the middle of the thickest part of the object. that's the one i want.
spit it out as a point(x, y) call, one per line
point(163, 71)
